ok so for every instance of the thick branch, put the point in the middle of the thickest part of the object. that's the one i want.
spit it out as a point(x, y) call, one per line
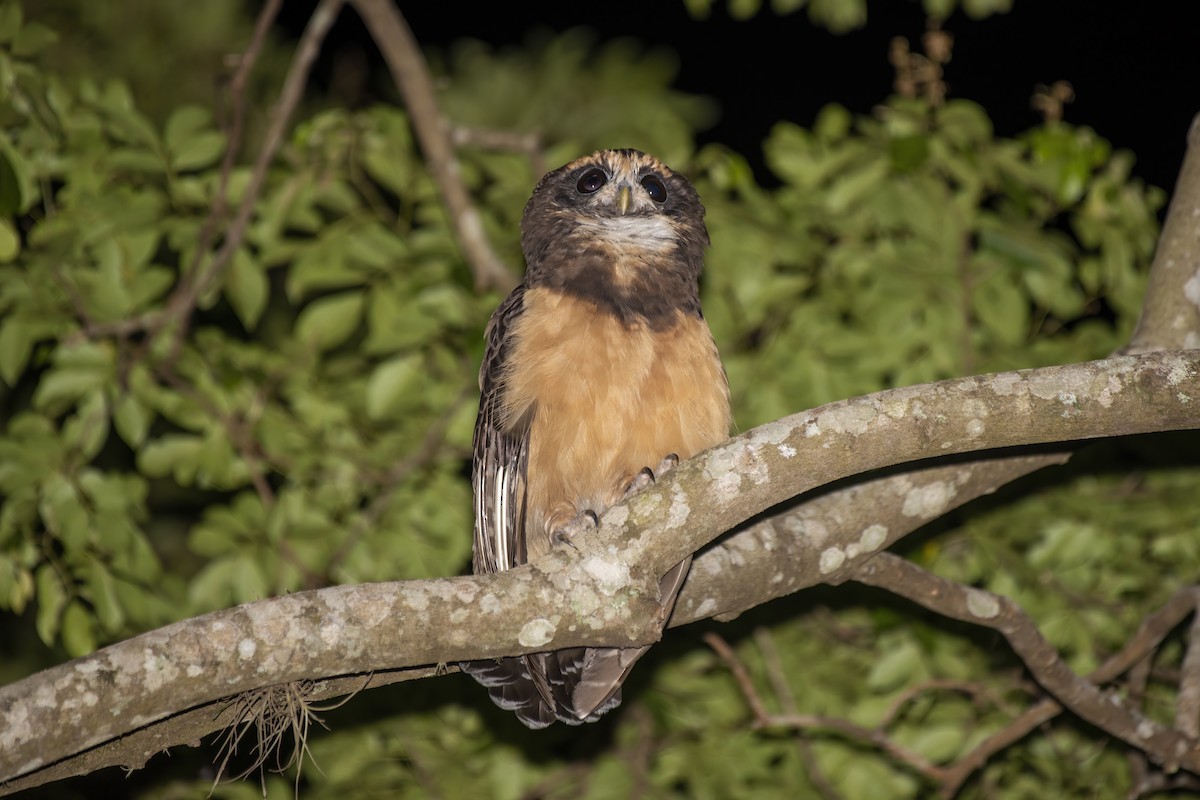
point(603, 591)
point(1171, 311)
point(403, 56)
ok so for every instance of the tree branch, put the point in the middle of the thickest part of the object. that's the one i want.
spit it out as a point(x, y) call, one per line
point(399, 47)
point(1171, 310)
point(569, 597)
point(1171, 748)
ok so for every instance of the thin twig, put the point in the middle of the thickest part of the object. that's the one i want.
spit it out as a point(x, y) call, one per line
point(978, 693)
point(1169, 747)
point(726, 654)
point(184, 302)
point(156, 319)
point(396, 42)
point(773, 665)
point(1130, 658)
point(1187, 704)
point(810, 722)
point(527, 144)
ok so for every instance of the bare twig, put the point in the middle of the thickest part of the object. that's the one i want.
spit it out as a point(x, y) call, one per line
point(726, 654)
point(1187, 705)
point(1170, 748)
point(183, 302)
point(808, 722)
point(1136, 652)
point(528, 144)
point(399, 47)
point(978, 693)
point(773, 665)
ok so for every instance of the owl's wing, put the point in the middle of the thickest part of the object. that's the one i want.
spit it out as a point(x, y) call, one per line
point(501, 456)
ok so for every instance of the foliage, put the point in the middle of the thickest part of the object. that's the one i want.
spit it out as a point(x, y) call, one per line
point(309, 421)
point(840, 16)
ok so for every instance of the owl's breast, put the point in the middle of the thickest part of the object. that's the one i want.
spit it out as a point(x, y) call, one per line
point(608, 398)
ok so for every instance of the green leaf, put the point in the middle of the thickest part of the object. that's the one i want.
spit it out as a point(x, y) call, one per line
point(51, 599)
point(10, 20)
point(78, 630)
point(18, 189)
point(63, 386)
point(131, 419)
point(32, 39)
point(895, 668)
point(199, 151)
point(1002, 308)
point(87, 429)
point(175, 454)
point(16, 343)
point(940, 743)
point(10, 242)
point(328, 322)
point(103, 594)
point(391, 384)
point(10, 203)
point(246, 288)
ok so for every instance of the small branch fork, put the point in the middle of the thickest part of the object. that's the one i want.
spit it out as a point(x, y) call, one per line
point(1171, 750)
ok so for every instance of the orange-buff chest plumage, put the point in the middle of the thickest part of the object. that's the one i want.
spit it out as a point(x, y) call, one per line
point(608, 399)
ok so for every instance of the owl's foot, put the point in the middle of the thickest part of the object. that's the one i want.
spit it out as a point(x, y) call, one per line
point(647, 477)
point(585, 520)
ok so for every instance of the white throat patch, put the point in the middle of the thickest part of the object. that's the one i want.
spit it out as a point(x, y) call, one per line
point(651, 233)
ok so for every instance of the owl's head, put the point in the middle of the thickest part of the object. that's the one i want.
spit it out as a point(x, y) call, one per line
point(621, 207)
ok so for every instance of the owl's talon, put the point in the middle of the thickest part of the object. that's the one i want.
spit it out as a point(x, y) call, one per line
point(584, 520)
point(670, 461)
point(647, 477)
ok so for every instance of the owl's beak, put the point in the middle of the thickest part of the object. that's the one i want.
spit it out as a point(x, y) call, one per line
point(624, 200)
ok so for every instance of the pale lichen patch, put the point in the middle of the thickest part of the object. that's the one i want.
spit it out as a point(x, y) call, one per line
point(610, 576)
point(929, 500)
point(1112, 386)
point(787, 451)
point(873, 537)
point(490, 604)
point(1178, 371)
point(157, 671)
point(896, 407)
point(752, 465)
point(1191, 289)
point(975, 428)
point(854, 419)
point(981, 604)
point(1006, 384)
point(678, 513)
point(812, 428)
point(536, 633)
point(247, 648)
point(771, 433)
point(831, 559)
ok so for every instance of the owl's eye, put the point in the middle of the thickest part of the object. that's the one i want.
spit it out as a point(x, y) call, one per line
point(591, 181)
point(655, 188)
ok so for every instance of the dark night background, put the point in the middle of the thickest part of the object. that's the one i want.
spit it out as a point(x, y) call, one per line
point(1135, 68)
